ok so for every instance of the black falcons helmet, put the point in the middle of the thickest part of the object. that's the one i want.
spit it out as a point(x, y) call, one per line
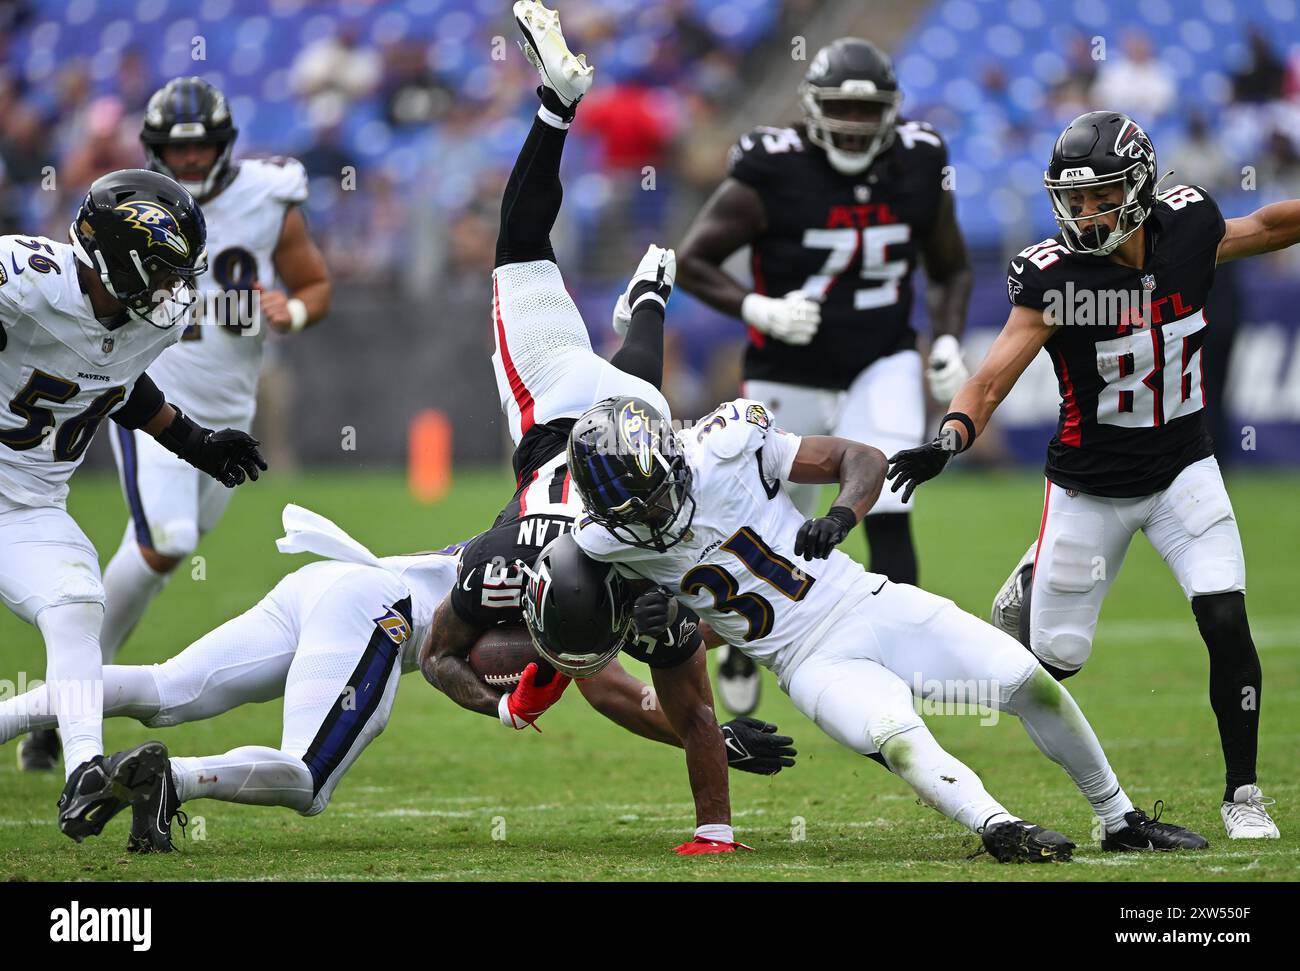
point(575, 609)
point(1098, 150)
point(145, 238)
point(189, 110)
point(631, 474)
point(850, 103)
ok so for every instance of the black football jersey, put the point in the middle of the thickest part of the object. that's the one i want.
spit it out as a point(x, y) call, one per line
point(852, 239)
point(1127, 351)
point(490, 583)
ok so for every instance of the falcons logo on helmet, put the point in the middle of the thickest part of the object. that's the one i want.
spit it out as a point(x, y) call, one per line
point(1132, 142)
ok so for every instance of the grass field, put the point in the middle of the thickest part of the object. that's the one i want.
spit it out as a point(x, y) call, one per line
point(586, 800)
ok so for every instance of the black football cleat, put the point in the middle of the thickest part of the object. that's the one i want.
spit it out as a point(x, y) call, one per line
point(102, 787)
point(151, 818)
point(1020, 841)
point(40, 751)
point(1144, 833)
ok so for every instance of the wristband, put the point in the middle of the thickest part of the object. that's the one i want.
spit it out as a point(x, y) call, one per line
point(503, 712)
point(297, 314)
point(753, 310)
point(718, 832)
point(965, 420)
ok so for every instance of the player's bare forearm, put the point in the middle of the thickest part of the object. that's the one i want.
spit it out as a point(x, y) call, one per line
point(301, 266)
point(444, 663)
point(156, 425)
point(859, 469)
point(1022, 337)
point(949, 278)
point(732, 218)
point(1267, 229)
point(687, 700)
point(629, 703)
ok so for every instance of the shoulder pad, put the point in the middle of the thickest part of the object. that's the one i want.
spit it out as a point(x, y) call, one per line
point(285, 178)
point(916, 134)
point(734, 429)
point(1028, 271)
point(759, 150)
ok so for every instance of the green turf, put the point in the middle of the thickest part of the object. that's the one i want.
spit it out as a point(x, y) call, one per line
point(585, 800)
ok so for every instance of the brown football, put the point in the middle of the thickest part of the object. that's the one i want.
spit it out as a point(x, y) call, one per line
point(501, 654)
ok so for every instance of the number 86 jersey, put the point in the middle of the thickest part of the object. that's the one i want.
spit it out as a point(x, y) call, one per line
point(736, 567)
point(1127, 349)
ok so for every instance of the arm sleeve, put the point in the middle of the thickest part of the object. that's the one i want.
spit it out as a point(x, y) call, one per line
point(146, 400)
point(642, 353)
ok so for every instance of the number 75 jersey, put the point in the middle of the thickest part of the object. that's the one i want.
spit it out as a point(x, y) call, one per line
point(737, 568)
point(1128, 349)
point(62, 372)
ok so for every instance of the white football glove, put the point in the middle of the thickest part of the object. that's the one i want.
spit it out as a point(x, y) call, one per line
point(653, 280)
point(947, 371)
point(793, 318)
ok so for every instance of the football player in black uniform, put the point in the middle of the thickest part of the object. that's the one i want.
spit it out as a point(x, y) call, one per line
point(547, 375)
point(837, 212)
point(1117, 298)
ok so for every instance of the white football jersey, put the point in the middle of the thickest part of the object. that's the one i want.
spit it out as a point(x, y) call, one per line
point(212, 373)
point(430, 577)
point(737, 567)
point(61, 371)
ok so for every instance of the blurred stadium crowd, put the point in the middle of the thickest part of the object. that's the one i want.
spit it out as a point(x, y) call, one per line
point(408, 113)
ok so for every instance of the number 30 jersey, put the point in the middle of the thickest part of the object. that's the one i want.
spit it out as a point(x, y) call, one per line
point(62, 372)
point(737, 568)
point(212, 373)
point(851, 240)
point(1127, 351)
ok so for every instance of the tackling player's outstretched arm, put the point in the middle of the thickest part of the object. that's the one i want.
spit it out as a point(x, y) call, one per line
point(733, 217)
point(1265, 230)
point(622, 699)
point(687, 700)
point(299, 263)
point(1023, 336)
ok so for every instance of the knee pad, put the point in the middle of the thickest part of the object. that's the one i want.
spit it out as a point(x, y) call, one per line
point(1063, 652)
point(884, 726)
point(176, 539)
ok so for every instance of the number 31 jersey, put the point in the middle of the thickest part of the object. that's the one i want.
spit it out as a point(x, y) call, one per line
point(737, 568)
point(212, 373)
point(851, 240)
point(61, 371)
point(1128, 349)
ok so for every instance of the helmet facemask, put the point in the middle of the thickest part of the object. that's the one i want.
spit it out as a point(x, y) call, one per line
point(853, 123)
point(1096, 239)
point(153, 150)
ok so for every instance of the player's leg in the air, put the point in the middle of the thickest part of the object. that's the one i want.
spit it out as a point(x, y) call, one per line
point(1193, 528)
point(885, 407)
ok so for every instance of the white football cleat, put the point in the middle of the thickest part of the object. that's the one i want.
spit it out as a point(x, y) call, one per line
point(1246, 818)
point(653, 280)
point(739, 683)
point(1010, 599)
point(567, 75)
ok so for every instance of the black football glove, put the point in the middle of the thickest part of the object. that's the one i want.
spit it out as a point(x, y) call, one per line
point(229, 456)
point(754, 746)
point(817, 537)
point(654, 611)
point(912, 466)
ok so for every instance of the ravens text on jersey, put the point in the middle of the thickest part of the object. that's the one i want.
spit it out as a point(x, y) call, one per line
point(1130, 377)
point(851, 240)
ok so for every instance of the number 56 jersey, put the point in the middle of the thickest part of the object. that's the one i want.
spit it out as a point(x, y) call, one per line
point(736, 567)
point(62, 372)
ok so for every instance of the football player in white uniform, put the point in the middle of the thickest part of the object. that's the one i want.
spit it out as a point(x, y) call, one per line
point(79, 323)
point(702, 512)
point(256, 234)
